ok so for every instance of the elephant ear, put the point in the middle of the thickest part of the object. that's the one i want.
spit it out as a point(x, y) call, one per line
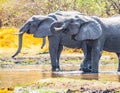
point(89, 31)
point(43, 28)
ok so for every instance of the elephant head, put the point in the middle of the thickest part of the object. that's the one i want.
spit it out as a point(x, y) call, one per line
point(38, 26)
point(82, 27)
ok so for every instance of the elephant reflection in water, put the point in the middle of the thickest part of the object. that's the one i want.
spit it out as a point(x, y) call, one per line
point(98, 34)
point(39, 26)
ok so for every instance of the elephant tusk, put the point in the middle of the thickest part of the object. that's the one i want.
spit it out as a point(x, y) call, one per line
point(58, 28)
point(18, 33)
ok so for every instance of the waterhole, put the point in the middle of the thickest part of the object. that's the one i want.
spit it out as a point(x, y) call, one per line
point(22, 75)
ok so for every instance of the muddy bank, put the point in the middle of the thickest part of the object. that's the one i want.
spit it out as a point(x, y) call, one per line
point(67, 85)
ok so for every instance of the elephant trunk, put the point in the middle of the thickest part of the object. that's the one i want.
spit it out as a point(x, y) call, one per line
point(20, 45)
point(43, 43)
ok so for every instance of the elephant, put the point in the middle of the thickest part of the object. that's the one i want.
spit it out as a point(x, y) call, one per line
point(97, 33)
point(39, 26)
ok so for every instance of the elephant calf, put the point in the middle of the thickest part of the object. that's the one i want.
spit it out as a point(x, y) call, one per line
point(97, 33)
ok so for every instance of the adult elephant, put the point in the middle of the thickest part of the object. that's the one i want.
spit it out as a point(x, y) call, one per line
point(39, 26)
point(98, 33)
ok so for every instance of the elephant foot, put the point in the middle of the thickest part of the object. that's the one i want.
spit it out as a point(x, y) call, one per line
point(55, 69)
point(118, 70)
point(85, 70)
point(94, 71)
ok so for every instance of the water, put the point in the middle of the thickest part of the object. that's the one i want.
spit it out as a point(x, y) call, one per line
point(22, 75)
point(104, 76)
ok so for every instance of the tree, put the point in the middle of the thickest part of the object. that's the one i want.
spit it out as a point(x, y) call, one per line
point(16, 12)
point(111, 6)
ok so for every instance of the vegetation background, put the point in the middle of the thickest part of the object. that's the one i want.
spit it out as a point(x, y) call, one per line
point(13, 13)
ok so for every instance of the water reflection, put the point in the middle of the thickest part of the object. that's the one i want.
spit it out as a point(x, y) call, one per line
point(104, 76)
point(29, 74)
point(118, 78)
point(22, 75)
point(8, 79)
point(89, 76)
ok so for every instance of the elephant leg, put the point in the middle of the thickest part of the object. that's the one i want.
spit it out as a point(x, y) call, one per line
point(60, 48)
point(53, 49)
point(53, 56)
point(95, 56)
point(86, 64)
point(118, 54)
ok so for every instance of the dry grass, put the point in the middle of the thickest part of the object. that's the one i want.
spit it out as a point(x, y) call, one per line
point(9, 43)
point(31, 45)
point(8, 39)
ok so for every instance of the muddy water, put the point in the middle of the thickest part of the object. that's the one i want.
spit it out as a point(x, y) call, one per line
point(104, 76)
point(22, 75)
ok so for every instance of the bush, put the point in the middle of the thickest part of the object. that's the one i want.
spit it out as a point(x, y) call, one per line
point(16, 12)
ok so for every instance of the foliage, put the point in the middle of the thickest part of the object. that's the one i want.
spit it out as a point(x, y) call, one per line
point(112, 6)
point(16, 12)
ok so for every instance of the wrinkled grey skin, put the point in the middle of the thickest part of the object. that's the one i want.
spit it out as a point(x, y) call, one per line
point(98, 33)
point(39, 26)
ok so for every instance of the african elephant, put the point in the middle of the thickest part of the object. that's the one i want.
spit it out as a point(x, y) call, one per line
point(98, 34)
point(39, 26)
